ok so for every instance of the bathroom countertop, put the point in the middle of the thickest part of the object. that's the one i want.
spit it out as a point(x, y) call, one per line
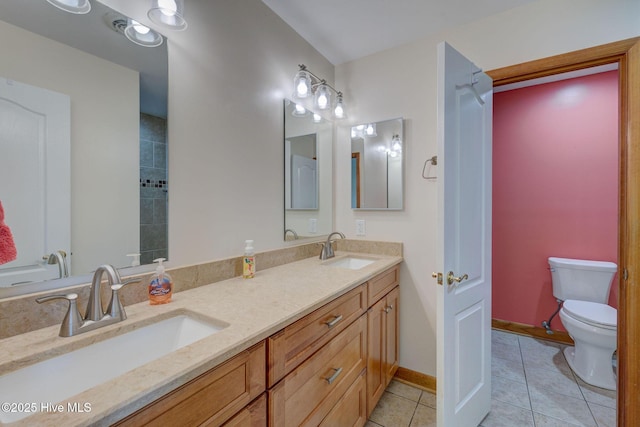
point(254, 309)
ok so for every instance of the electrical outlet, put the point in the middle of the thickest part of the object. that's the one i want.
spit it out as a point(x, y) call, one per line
point(360, 229)
point(313, 225)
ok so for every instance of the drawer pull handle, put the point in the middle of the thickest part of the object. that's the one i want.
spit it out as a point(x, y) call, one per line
point(388, 308)
point(335, 375)
point(333, 322)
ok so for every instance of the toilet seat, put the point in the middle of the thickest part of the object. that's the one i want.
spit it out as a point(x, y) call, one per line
point(592, 313)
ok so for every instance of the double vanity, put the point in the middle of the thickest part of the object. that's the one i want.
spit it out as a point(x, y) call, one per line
point(309, 342)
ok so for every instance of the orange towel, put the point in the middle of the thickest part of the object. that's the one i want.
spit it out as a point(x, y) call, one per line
point(8, 250)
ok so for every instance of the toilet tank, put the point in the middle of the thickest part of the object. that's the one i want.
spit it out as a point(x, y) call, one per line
point(582, 280)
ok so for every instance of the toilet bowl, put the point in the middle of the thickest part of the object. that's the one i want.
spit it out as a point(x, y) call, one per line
point(593, 327)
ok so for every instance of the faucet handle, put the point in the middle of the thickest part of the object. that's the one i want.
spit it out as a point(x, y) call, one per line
point(115, 308)
point(72, 320)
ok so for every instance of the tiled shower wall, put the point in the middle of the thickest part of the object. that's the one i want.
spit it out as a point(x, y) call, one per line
point(153, 188)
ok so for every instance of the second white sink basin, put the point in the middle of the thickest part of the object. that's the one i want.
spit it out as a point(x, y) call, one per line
point(61, 377)
point(352, 263)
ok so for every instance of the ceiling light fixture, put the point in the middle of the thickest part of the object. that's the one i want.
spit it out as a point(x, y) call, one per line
point(142, 35)
point(305, 84)
point(168, 14)
point(79, 7)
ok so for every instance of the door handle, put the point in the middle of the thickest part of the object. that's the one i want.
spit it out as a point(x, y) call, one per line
point(452, 278)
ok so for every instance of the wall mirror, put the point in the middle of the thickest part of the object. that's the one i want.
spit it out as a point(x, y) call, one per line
point(308, 145)
point(377, 165)
point(115, 96)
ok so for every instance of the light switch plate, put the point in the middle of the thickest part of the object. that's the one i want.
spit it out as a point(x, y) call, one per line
point(360, 227)
point(313, 225)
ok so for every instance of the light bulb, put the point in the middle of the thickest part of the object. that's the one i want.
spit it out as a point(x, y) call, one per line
point(302, 84)
point(338, 111)
point(370, 131)
point(316, 118)
point(323, 97)
point(168, 7)
point(139, 27)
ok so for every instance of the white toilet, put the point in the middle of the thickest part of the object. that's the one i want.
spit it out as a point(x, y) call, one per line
point(584, 287)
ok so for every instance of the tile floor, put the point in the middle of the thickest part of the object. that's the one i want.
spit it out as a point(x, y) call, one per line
point(532, 386)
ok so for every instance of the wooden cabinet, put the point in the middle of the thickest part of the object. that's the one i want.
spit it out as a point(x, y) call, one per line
point(310, 392)
point(212, 398)
point(331, 367)
point(295, 343)
point(382, 339)
point(254, 415)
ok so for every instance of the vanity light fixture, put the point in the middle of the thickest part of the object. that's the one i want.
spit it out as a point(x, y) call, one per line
point(396, 143)
point(79, 7)
point(142, 35)
point(168, 14)
point(305, 84)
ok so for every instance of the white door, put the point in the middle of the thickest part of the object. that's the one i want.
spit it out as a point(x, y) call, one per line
point(304, 182)
point(34, 178)
point(465, 101)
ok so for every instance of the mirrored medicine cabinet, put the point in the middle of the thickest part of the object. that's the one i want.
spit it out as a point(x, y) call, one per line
point(377, 165)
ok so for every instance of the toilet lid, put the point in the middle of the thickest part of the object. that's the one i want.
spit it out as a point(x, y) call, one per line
point(593, 313)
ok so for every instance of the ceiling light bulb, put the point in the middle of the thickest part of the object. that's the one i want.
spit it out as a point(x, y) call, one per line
point(168, 7)
point(140, 28)
point(168, 14)
point(79, 7)
point(141, 34)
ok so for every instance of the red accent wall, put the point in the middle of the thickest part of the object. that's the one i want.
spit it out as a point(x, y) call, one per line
point(555, 188)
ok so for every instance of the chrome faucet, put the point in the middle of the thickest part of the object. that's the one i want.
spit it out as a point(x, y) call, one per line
point(94, 317)
point(60, 258)
point(327, 248)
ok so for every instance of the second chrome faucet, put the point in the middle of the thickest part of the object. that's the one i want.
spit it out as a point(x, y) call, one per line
point(94, 316)
point(327, 248)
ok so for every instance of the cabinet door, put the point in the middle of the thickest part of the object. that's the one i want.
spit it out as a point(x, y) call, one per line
point(376, 374)
point(210, 399)
point(392, 315)
point(254, 415)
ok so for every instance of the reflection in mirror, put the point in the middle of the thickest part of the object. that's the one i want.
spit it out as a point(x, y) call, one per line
point(308, 144)
point(377, 165)
point(93, 152)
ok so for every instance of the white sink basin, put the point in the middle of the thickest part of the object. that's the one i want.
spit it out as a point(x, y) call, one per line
point(352, 263)
point(61, 377)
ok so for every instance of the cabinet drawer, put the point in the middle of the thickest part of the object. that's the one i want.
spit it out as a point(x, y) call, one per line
point(351, 409)
point(295, 343)
point(210, 399)
point(307, 394)
point(380, 285)
point(254, 415)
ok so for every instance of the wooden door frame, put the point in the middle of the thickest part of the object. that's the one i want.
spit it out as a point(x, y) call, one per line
point(626, 54)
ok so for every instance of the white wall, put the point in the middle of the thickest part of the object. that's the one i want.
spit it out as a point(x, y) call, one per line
point(105, 211)
point(405, 82)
